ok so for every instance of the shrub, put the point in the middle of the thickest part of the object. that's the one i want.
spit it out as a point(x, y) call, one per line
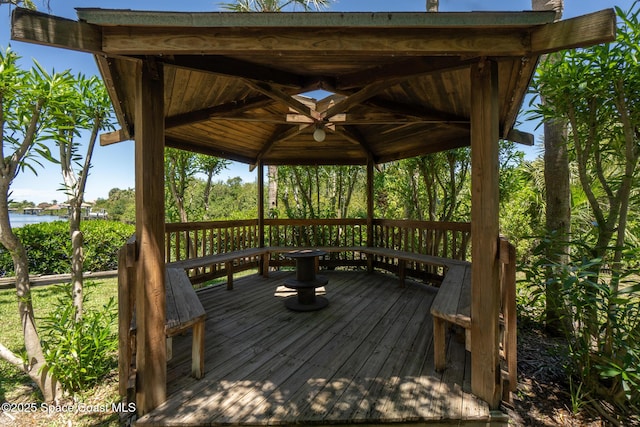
point(102, 241)
point(48, 246)
point(80, 353)
point(604, 330)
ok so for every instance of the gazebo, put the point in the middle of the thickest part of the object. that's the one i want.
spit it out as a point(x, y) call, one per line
point(236, 86)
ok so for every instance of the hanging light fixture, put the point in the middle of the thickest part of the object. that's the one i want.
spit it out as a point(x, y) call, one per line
point(319, 134)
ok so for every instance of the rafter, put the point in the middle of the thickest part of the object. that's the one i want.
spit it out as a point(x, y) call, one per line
point(219, 111)
point(231, 67)
point(409, 111)
point(360, 96)
point(404, 69)
point(281, 134)
point(353, 135)
point(586, 30)
point(183, 144)
point(280, 96)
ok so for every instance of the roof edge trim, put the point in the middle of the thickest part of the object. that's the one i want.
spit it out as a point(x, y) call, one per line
point(107, 17)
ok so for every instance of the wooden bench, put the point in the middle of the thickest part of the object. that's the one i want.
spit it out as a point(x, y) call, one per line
point(183, 311)
point(403, 257)
point(452, 304)
point(226, 258)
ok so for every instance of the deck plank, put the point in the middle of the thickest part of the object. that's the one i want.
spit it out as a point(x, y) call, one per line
point(371, 355)
point(366, 358)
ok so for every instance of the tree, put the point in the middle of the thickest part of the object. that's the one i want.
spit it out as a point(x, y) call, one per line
point(86, 107)
point(319, 191)
point(25, 100)
point(181, 168)
point(120, 205)
point(22, 3)
point(597, 91)
point(558, 197)
point(432, 5)
point(210, 166)
point(274, 5)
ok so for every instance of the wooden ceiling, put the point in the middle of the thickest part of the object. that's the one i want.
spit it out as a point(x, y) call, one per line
point(254, 87)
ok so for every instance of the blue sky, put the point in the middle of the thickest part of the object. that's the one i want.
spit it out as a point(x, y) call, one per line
point(113, 166)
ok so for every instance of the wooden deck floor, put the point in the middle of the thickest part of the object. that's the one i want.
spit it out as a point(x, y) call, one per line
point(366, 358)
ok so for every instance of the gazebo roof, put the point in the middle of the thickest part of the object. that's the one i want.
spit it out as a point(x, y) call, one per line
point(253, 87)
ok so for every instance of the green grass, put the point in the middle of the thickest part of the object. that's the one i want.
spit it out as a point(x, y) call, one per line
point(16, 386)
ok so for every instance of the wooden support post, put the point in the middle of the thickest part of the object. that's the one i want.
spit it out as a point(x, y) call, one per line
point(197, 350)
point(126, 302)
point(229, 267)
point(151, 355)
point(485, 288)
point(440, 350)
point(264, 258)
point(370, 196)
point(510, 335)
point(265, 264)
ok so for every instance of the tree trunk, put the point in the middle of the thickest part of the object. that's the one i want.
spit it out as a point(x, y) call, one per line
point(432, 5)
point(77, 258)
point(558, 218)
point(272, 174)
point(558, 200)
point(207, 189)
point(36, 366)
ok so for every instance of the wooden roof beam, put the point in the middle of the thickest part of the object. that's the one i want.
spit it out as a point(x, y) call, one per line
point(374, 118)
point(586, 30)
point(280, 96)
point(36, 27)
point(357, 98)
point(408, 68)
point(40, 28)
point(520, 137)
point(135, 40)
point(230, 67)
point(409, 111)
point(428, 149)
point(114, 137)
point(111, 80)
point(281, 134)
point(182, 144)
point(354, 136)
point(223, 110)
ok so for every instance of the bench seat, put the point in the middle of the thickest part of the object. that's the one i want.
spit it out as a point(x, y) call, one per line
point(226, 258)
point(183, 311)
point(413, 257)
point(452, 304)
point(403, 257)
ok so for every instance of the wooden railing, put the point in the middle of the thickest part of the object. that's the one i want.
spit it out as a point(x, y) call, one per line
point(444, 239)
point(315, 232)
point(508, 338)
point(343, 233)
point(197, 239)
point(126, 305)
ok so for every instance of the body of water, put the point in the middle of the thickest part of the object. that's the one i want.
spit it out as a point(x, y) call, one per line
point(18, 220)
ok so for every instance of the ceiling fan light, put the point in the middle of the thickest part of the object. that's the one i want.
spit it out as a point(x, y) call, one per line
point(319, 134)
